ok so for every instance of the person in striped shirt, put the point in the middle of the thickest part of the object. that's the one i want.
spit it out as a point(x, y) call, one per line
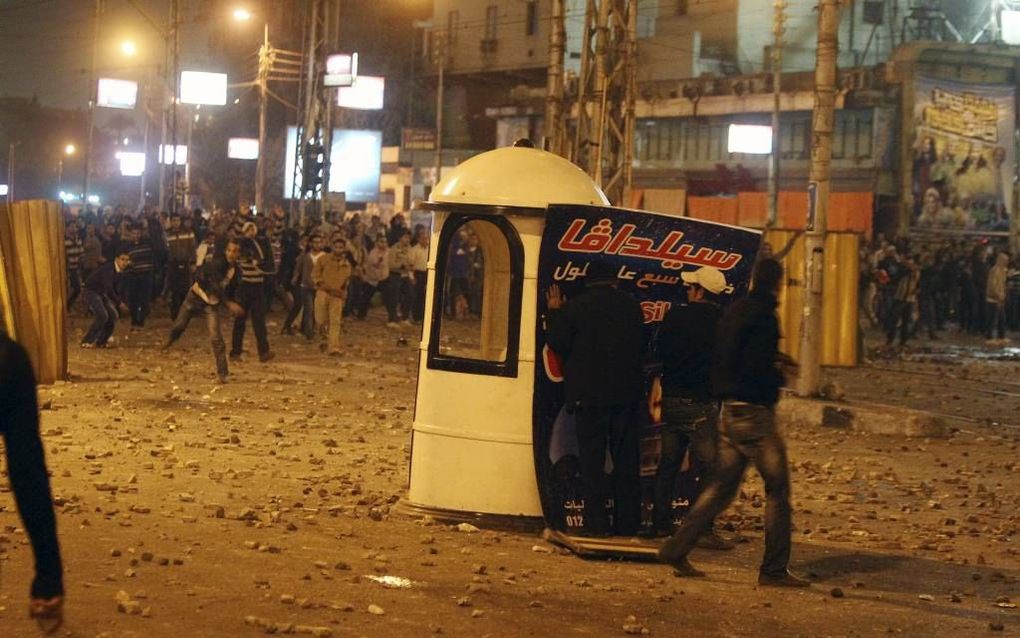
point(251, 293)
point(139, 276)
point(73, 250)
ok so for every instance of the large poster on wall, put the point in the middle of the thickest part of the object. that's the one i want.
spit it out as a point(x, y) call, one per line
point(649, 253)
point(964, 155)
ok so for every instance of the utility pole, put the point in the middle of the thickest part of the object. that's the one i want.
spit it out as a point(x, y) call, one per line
point(145, 151)
point(10, 173)
point(604, 103)
point(778, 30)
point(93, 97)
point(440, 45)
point(175, 44)
point(265, 62)
point(818, 196)
point(554, 86)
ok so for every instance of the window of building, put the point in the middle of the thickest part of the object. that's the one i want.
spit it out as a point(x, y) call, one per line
point(476, 311)
point(531, 18)
point(452, 24)
point(491, 21)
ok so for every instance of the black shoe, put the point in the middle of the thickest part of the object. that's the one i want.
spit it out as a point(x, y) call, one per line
point(267, 356)
point(221, 378)
point(712, 540)
point(682, 568)
point(235, 356)
point(786, 579)
point(287, 331)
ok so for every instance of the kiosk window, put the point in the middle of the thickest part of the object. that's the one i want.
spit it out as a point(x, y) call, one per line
point(476, 308)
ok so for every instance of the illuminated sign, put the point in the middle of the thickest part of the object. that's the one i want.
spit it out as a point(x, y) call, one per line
point(116, 94)
point(750, 139)
point(131, 164)
point(3, 189)
point(366, 93)
point(168, 157)
point(243, 148)
point(355, 164)
point(341, 70)
point(198, 87)
point(1010, 26)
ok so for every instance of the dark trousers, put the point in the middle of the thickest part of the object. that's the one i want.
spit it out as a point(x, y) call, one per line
point(194, 305)
point(597, 428)
point(178, 282)
point(995, 315)
point(421, 278)
point(104, 318)
point(690, 425)
point(747, 434)
point(139, 286)
point(274, 290)
point(900, 316)
point(295, 308)
point(252, 298)
point(397, 295)
point(73, 287)
point(367, 292)
point(352, 305)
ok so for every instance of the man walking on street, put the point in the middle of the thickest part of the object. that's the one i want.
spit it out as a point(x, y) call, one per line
point(140, 277)
point(687, 339)
point(251, 295)
point(181, 250)
point(746, 376)
point(995, 297)
point(331, 274)
point(215, 285)
point(26, 467)
point(599, 335)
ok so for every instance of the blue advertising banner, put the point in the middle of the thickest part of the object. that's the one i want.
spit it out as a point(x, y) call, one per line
point(650, 254)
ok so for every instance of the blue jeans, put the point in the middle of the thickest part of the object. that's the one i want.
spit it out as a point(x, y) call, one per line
point(193, 305)
point(104, 318)
point(689, 424)
point(747, 434)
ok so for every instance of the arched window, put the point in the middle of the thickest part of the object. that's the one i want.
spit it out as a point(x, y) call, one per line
point(476, 307)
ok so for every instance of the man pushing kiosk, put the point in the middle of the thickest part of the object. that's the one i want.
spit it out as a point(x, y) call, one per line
point(543, 227)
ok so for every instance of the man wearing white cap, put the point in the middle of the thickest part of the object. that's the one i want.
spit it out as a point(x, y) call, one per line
point(686, 343)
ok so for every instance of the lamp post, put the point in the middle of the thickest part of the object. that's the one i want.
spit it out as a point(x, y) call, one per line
point(69, 150)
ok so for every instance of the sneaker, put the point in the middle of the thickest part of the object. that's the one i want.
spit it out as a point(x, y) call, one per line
point(235, 356)
point(406, 322)
point(87, 346)
point(287, 331)
point(221, 378)
point(786, 579)
point(712, 540)
point(267, 356)
point(335, 353)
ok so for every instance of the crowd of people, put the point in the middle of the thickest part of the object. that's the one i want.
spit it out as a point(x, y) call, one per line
point(322, 272)
point(915, 288)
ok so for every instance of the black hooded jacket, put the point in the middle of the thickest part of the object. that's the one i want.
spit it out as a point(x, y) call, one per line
point(747, 352)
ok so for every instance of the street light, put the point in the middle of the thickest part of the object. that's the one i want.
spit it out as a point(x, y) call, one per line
point(128, 48)
point(242, 15)
point(69, 150)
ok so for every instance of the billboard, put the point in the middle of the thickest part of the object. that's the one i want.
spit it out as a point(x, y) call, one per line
point(168, 157)
point(752, 139)
point(355, 164)
point(116, 94)
point(131, 164)
point(243, 148)
point(650, 254)
point(964, 156)
point(199, 87)
point(365, 94)
point(341, 70)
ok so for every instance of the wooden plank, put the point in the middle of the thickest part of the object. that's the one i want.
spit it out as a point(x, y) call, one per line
point(618, 547)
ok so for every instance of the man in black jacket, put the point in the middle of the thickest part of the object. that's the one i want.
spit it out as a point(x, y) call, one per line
point(215, 286)
point(747, 378)
point(26, 467)
point(104, 301)
point(686, 343)
point(599, 336)
point(254, 261)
